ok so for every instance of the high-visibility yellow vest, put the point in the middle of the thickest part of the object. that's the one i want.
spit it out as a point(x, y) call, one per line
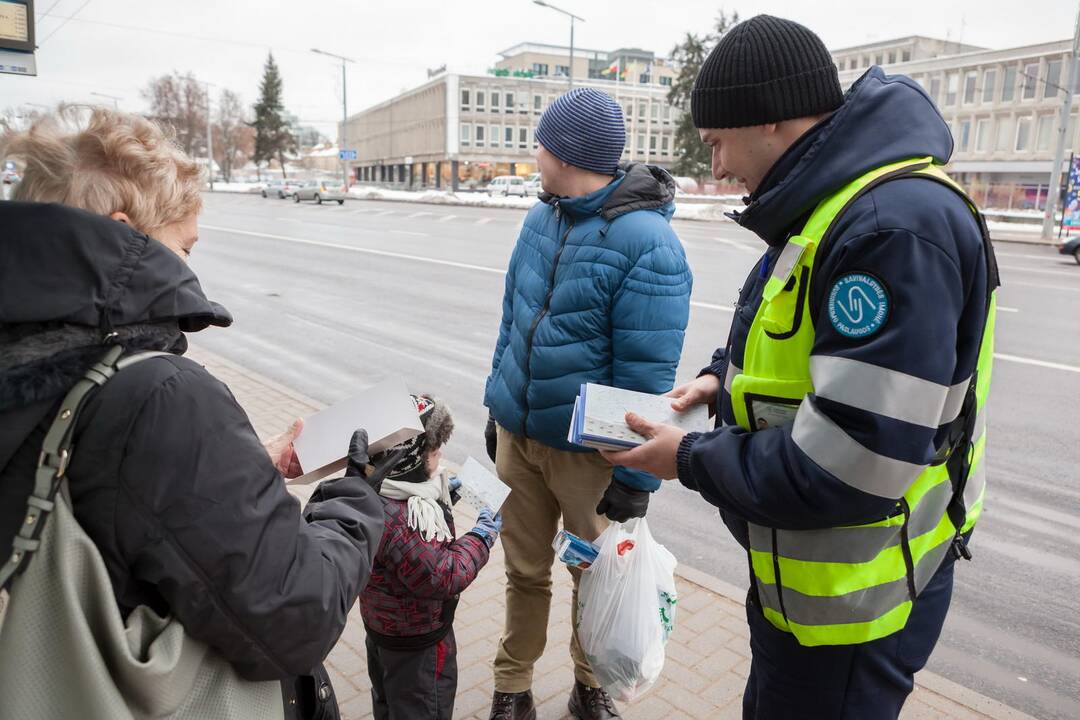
point(852, 584)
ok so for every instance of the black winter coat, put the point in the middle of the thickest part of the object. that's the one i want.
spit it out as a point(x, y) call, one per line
point(168, 477)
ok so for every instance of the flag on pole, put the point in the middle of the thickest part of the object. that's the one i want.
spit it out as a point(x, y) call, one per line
point(615, 67)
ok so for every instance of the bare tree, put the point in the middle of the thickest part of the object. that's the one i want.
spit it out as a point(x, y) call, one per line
point(179, 103)
point(234, 138)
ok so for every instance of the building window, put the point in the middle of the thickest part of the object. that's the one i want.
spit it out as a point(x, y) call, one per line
point(665, 145)
point(1004, 134)
point(642, 111)
point(540, 69)
point(523, 138)
point(509, 102)
point(652, 144)
point(935, 89)
point(466, 134)
point(989, 81)
point(1008, 84)
point(480, 135)
point(464, 99)
point(667, 114)
point(982, 135)
point(493, 136)
point(641, 143)
point(866, 61)
point(963, 135)
point(628, 110)
point(952, 84)
point(892, 57)
point(665, 80)
point(538, 103)
point(654, 111)
point(906, 56)
point(479, 101)
point(508, 137)
point(879, 59)
point(1031, 80)
point(495, 101)
point(1053, 78)
point(969, 88)
point(1044, 133)
point(1023, 134)
point(563, 70)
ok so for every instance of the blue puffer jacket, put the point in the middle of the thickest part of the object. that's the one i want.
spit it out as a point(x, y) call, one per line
point(598, 290)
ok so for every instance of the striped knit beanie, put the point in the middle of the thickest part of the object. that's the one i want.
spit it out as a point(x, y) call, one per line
point(765, 70)
point(584, 128)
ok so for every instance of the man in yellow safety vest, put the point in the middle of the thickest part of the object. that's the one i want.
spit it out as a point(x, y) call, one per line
point(847, 456)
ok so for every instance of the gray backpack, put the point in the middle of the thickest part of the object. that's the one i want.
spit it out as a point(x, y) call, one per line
point(65, 649)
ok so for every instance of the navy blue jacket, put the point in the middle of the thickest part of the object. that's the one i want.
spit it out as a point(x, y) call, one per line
point(922, 241)
point(598, 290)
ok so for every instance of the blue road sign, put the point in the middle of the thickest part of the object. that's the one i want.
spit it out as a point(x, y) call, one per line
point(346, 154)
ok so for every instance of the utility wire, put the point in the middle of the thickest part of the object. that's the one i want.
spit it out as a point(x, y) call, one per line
point(67, 19)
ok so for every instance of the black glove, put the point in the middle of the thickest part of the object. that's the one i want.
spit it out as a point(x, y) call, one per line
point(358, 460)
point(491, 437)
point(620, 503)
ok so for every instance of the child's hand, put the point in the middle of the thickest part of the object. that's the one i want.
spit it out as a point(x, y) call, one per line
point(454, 484)
point(488, 525)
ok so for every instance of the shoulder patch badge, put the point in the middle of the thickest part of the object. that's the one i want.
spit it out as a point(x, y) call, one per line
point(858, 305)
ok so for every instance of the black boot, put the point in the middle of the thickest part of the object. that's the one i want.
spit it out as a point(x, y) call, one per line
point(588, 703)
point(512, 706)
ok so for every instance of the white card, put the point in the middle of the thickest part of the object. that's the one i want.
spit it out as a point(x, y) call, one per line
point(385, 410)
point(480, 488)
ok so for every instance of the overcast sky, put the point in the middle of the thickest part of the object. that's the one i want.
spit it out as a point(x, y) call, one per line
point(115, 46)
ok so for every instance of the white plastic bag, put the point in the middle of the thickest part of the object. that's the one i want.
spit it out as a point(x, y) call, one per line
point(626, 609)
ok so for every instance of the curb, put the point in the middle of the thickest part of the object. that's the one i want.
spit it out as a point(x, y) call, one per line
point(970, 699)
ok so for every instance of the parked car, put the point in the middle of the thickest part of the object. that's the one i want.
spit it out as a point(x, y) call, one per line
point(280, 189)
point(532, 184)
point(320, 191)
point(507, 185)
point(1071, 247)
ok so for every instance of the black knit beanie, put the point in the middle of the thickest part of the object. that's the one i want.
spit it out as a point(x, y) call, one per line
point(765, 70)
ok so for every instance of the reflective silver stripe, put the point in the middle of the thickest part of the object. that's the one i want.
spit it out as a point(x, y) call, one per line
point(854, 544)
point(786, 262)
point(863, 605)
point(980, 425)
point(824, 442)
point(975, 484)
point(729, 375)
point(878, 390)
point(954, 401)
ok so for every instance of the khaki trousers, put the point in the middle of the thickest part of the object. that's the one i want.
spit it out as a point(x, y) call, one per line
point(547, 484)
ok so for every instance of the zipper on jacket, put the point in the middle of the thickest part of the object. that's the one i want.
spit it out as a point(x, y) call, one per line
point(540, 316)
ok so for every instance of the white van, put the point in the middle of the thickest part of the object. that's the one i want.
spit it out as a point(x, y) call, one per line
point(507, 185)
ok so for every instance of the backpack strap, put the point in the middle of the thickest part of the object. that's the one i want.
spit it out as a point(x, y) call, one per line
point(54, 459)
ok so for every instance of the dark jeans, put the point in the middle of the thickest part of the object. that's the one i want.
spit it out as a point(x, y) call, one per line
point(842, 682)
point(413, 685)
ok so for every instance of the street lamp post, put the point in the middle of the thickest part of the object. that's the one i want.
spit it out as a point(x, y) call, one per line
point(573, 17)
point(116, 100)
point(344, 112)
point(1063, 131)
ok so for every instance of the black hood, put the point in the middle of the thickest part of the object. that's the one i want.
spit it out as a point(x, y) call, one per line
point(884, 119)
point(636, 186)
point(63, 265)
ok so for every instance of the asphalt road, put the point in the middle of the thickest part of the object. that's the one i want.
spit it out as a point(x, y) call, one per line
point(328, 299)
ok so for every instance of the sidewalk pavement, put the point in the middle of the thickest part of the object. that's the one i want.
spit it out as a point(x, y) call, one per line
point(707, 656)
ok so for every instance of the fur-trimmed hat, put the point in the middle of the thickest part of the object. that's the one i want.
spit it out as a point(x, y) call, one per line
point(438, 426)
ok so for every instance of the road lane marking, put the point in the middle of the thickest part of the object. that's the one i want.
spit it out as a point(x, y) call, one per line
point(1002, 308)
point(1018, 268)
point(422, 213)
point(710, 306)
point(446, 218)
point(350, 248)
point(1038, 363)
point(386, 212)
point(411, 232)
point(483, 221)
point(502, 271)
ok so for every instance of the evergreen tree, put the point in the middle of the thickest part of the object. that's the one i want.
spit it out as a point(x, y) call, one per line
point(272, 136)
point(693, 157)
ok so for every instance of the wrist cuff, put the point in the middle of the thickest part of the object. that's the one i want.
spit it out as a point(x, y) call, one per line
point(682, 460)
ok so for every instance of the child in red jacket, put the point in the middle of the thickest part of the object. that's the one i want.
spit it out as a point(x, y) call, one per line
point(420, 570)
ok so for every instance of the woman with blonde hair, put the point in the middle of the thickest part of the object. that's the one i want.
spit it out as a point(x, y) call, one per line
point(167, 477)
